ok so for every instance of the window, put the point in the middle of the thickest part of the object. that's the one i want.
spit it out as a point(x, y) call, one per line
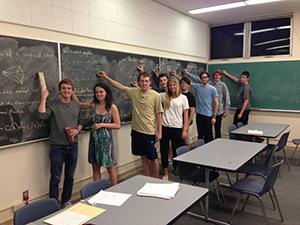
point(270, 37)
point(262, 38)
point(224, 42)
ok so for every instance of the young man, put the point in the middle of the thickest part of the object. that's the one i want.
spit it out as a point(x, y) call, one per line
point(223, 100)
point(63, 113)
point(163, 83)
point(185, 84)
point(243, 97)
point(206, 106)
point(146, 120)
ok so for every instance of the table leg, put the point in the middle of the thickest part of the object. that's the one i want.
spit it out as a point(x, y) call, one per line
point(206, 217)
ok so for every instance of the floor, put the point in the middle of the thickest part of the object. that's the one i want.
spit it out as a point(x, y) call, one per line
point(288, 192)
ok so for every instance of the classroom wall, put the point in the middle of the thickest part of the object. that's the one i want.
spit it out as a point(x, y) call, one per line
point(136, 26)
point(293, 119)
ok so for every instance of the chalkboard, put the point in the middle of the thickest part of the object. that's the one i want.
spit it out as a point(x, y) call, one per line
point(80, 64)
point(167, 65)
point(275, 85)
point(20, 60)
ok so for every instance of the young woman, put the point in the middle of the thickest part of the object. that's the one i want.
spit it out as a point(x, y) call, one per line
point(105, 117)
point(174, 122)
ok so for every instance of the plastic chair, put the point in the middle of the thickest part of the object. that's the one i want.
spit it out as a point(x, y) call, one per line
point(280, 147)
point(257, 187)
point(296, 142)
point(230, 128)
point(35, 210)
point(195, 174)
point(199, 142)
point(93, 188)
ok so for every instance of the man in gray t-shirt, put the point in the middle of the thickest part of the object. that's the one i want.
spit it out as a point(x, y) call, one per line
point(243, 97)
point(64, 116)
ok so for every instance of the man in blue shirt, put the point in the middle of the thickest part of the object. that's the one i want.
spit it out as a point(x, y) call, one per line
point(206, 107)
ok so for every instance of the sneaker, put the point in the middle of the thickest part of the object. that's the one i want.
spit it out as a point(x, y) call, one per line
point(65, 205)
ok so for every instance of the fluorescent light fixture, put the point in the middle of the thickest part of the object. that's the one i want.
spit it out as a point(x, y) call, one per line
point(256, 2)
point(242, 3)
point(217, 8)
point(278, 47)
point(264, 30)
point(269, 42)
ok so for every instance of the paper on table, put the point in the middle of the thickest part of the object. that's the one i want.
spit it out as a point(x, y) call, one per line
point(258, 132)
point(166, 191)
point(109, 198)
point(75, 215)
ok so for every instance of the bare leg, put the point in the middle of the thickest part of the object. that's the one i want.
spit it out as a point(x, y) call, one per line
point(155, 166)
point(96, 171)
point(146, 165)
point(112, 175)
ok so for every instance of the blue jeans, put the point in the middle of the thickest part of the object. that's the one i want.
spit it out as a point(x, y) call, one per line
point(60, 154)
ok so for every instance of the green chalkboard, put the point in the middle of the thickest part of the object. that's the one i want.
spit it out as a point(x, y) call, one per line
point(275, 85)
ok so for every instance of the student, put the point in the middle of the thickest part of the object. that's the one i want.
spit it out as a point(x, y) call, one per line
point(185, 85)
point(243, 97)
point(63, 113)
point(223, 101)
point(146, 120)
point(206, 106)
point(163, 82)
point(105, 117)
point(174, 122)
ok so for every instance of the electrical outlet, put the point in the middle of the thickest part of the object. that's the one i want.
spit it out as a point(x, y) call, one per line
point(25, 195)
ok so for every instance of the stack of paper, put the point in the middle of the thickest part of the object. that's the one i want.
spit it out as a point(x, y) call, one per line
point(166, 191)
point(258, 132)
point(109, 198)
point(75, 215)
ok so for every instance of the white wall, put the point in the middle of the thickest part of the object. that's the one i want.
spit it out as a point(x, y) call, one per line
point(136, 26)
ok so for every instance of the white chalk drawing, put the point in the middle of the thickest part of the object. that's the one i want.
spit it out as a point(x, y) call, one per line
point(15, 73)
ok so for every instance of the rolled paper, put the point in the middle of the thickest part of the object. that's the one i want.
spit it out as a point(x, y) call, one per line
point(42, 80)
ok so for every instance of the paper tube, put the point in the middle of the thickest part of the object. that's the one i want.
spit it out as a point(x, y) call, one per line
point(42, 80)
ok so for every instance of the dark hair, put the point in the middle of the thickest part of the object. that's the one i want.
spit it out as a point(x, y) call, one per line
point(65, 81)
point(185, 80)
point(204, 73)
point(108, 97)
point(163, 75)
point(143, 74)
point(217, 72)
point(246, 73)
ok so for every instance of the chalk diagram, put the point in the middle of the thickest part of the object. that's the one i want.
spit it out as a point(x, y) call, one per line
point(15, 73)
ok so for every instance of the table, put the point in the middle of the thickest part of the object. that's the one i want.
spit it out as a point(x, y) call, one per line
point(220, 154)
point(270, 130)
point(146, 210)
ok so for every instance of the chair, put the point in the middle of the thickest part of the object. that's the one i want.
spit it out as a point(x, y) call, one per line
point(93, 188)
point(253, 186)
point(259, 169)
point(195, 174)
point(281, 145)
point(35, 211)
point(296, 142)
point(199, 142)
point(230, 128)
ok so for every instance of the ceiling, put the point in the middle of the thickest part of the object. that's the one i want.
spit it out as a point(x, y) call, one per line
point(229, 16)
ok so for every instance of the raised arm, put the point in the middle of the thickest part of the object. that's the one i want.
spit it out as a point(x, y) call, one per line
point(43, 99)
point(84, 105)
point(230, 76)
point(113, 82)
point(173, 73)
point(192, 76)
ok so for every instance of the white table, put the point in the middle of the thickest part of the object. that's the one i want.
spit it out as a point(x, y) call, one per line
point(270, 130)
point(146, 210)
point(221, 154)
